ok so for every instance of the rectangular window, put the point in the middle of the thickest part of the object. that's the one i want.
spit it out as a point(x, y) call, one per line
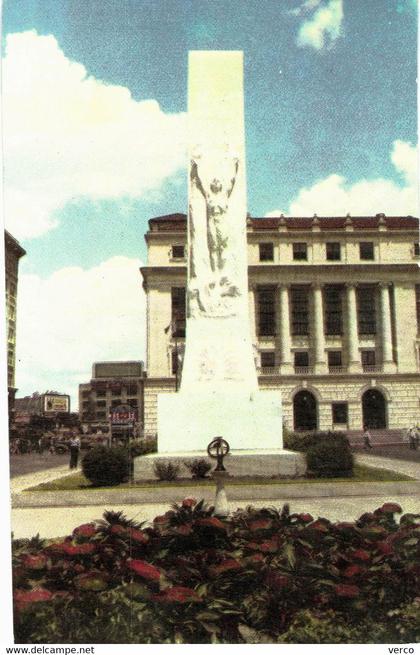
point(266, 297)
point(131, 389)
point(268, 358)
point(115, 403)
point(101, 403)
point(333, 251)
point(299, 296)
point(366, 310)
point(132, 402)
point(266, 252)
point(300, 251)
point(85, 394)
point(418, 307)
point(178, 311)
point(178, 252)
point(301, 359)
point(100, 393)
point(366, 250)
point(416, 249)
point(339, 413)
point(333, 310)
point(368, 358)
point(334, 359)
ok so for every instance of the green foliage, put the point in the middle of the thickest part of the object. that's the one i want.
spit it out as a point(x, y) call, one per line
point(329, 460)
point(198, 468)
point(106, 466)
point(166, 470)
point(260, 576)
point(301, 441)
point(327, 453)
point(142, 447)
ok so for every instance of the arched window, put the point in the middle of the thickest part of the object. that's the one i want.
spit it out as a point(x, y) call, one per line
point(305, 414)
point(374, 409)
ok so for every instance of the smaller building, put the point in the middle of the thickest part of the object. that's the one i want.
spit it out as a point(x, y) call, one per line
point(113, 385)
point(49, 405)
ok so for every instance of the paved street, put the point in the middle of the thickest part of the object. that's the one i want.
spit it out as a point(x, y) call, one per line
point(343, 501)
point(32, 462)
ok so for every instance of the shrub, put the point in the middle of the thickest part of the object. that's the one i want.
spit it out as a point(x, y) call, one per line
point(166, 470)
point(329, 459)
point(264, 575)
point(106, 466)
point(142, 447)
point(198, 468)
point(301, 441)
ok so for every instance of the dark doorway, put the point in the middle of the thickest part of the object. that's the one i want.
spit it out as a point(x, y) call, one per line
point(305, 411)
point(374, 410)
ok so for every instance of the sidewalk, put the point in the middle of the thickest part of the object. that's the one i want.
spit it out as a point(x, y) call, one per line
point(43, 512)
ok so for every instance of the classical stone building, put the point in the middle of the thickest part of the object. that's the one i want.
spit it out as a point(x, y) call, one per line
point(334, 305)
point(113, 384)
point(13, 252)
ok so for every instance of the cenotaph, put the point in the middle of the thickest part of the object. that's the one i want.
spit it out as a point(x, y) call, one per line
point(219, 393)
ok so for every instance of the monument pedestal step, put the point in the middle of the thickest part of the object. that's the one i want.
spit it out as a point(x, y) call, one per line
point(238, 463)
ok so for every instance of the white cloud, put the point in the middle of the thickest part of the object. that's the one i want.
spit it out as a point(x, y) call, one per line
point(323, 28)
point(307, 6)
point(68, 135)
point(332, 196)
point(74, 318)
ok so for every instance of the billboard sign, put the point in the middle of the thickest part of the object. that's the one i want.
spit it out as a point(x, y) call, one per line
point(123, 415)
point(54, 403)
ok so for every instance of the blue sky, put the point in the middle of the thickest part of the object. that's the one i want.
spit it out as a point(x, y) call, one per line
point(93, 153)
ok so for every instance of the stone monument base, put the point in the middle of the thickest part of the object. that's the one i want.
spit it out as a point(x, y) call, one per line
point(189, 421)
point(239, 463)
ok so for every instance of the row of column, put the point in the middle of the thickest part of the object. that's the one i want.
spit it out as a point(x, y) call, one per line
point(320, 363)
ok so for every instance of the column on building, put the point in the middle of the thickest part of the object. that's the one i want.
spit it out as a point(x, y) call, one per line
point(284, 330)
point(253, 323)
point(319, 338)
point(352, 331)
point(388, 363)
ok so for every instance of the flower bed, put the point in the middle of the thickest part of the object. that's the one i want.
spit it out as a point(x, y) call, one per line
point(259, 576)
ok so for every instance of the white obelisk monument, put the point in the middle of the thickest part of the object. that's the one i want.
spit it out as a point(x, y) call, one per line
point(219, 393)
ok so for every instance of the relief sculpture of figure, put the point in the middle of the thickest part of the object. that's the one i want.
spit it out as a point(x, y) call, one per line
point(216, 190)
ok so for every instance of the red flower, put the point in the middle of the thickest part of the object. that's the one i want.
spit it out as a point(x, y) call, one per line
point(184, 530)
point(319, 525)
point(85, 530)
point(306, 518)
point(384, 547)
point(277, 581)
point(353, 569)
point(189, 502)
point(144, 570)
point(223, 567)
point(139, 536)
point(35, 562)
point(347, 590)
point(363, 555)
point(391, 508)
point(261, 524)
point(160, 519)
point(67, 548)
point(178, 595)
point(119, 530)
point(269, 546)
point(38, 595)
point(211, 522)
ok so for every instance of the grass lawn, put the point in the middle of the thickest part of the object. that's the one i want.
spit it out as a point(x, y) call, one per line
point(77, 481)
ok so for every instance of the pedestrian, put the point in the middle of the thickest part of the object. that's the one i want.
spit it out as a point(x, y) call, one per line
point(74, 446)
point(40, 445)
point(366, 439)
point(412, 438)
